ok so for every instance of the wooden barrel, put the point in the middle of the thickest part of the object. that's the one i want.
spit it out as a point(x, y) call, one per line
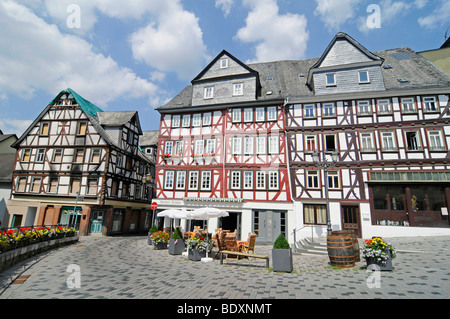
point(354, 238)
point(340, 251)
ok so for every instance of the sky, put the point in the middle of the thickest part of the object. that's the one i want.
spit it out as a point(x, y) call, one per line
point(139, 54)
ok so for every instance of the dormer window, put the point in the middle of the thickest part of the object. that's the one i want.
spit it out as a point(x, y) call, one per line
point(331, 79)
point(363, 77)
point(224, 63)
point(209, 92)
point(238, 88)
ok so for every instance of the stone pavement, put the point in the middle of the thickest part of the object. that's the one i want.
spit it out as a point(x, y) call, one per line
point(128, 268)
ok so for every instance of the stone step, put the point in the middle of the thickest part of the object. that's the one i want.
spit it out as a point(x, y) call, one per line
point(308, 247)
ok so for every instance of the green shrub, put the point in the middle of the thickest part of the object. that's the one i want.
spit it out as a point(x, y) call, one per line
point(153, 229)
point(177, 234)
point(281, 243)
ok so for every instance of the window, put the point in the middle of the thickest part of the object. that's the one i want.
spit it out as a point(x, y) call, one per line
point(384, 106)
point(128, 162)
point(238, 89)
point(115, 188)
point(315, 214)
point(79, 156)
point(248, 180)
point(207, 119)
point(223, 63)
point(260, 113)
point(21, 183)
point(178, 148)
point(260, 180)
point(273, 180)
point(168, 148)
point(40, 156)
point(330, 143)
point(181, 180)
point(261, 144)
point(363, 77)
point(312, 179)
point(26, 153)
point(309, 110)
point(75, 185)
point(53, 185)
point(413, 141)
point(248, 115)
point(206, 181)
point(82, 128)
point(272, 113)
point(196, 120)
point(364, 108)
point(175, 121)
point(331, 79)
point(209, 92)
point(125, 189)
point(430, 104)
point(199, 147)
point(138, 191)
point(193, 180)
point(328, 109)
point(237, 145)
point(35, 185)
point(44, 128)
point(211, 146)
point(311, 143)
point(57, 155)
point(237, 115)
point(388, 141)
point(95, 157)
point(248, 145)
point(186, 120)
point(235, 180)
point(436, 141)
point(92, 186)
point(408, 105)
point(130, 137)
point(367, 144)
point(333, 180)
point(273, 144)
point(168, 179)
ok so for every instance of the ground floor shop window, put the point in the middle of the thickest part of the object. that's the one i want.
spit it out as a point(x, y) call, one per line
point(117, 220)
point(315, 214)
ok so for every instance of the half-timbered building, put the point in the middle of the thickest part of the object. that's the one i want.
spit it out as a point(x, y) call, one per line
point(222, 144)
point(386, 117)
point(81, 166)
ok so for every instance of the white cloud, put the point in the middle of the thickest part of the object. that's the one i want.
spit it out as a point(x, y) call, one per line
point(225, 5)
point(172, 44)
point(335, 13)
point(439, 17)
point(13, 126)
point(279, 37)
point(35, 55)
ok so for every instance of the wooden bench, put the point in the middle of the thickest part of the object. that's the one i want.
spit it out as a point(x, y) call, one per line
point(238, 253)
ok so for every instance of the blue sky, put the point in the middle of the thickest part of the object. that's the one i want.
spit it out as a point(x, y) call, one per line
point(138, 54)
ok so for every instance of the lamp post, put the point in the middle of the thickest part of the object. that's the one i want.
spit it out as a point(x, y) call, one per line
point(324, 164)
point(147, 181)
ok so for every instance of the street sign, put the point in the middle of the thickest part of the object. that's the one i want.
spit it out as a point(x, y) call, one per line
point(154, 205)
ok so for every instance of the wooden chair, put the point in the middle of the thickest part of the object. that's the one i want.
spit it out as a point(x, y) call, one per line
point(250, 245)
point(220, 244)
point(231, 244)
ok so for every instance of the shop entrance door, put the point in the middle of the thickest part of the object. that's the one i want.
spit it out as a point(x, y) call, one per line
point(268, 225)
point(350, 219)
point(96, 222)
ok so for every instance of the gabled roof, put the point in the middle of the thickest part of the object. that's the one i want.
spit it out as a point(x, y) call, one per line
point(217, 58)
point(119, 118)
point(6, 167)
point(149, 138)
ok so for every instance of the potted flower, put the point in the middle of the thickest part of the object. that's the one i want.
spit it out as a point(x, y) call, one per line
point(152, 230)
point(167, 158)
point(176, 243)
point(160, 240)
point(198, 246)
point(282, 255)
point(378, 252)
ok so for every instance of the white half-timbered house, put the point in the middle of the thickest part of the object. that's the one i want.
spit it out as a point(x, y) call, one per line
point(386, 115)
point(222, 144)
point(81, 166)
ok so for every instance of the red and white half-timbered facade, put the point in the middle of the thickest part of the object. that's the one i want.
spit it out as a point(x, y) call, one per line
point(223, 145)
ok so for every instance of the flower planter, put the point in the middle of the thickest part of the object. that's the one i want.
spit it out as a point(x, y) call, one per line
point(198, 160)
point(383, 265)
point(208, 159)
point(176, 160)
point(160, 246)
point(196, 255)
point(176, 246)
point(282, 260)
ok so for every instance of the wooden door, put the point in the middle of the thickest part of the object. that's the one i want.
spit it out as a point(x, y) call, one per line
point(350, 219)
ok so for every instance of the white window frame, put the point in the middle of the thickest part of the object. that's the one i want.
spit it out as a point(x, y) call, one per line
point(274, 180)
point(223, 63)
point(176, 120)
point(196, 120)
point(248, 180)
point(206, 181)
point(260, 113)
point(388, 141)
point(307, 144)
point(363, 81)
point(238, 89)
point(384, 106)
point(260, 180)
point(366, 138)
point(248, 145)
point(186, 121)
point(40, 155)
point(418, 144)
point(326, 107)
point(334, 181)
point(236, 115)
point(207, 119)
point(427, 102)
point(35, 179)
point(180, 183)
point(193, 180)
point(309, 110)
point(237, 145)
point(327, 78)
point(364, 107)
point(178, 147)
point(208, 92)
point(210, 146)
point(408, 105)
point(168, 148)
point(273, 144)
point(271, 113)
point(261, 144)
point(248, 115)
point(312, 179)
point(435, 140)
point(169, 179)
point(199, 147)
point(235, 180)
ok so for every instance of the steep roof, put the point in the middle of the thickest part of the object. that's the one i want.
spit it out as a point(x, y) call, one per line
point(149, 138)
point(6, 167)
point(84, 104)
